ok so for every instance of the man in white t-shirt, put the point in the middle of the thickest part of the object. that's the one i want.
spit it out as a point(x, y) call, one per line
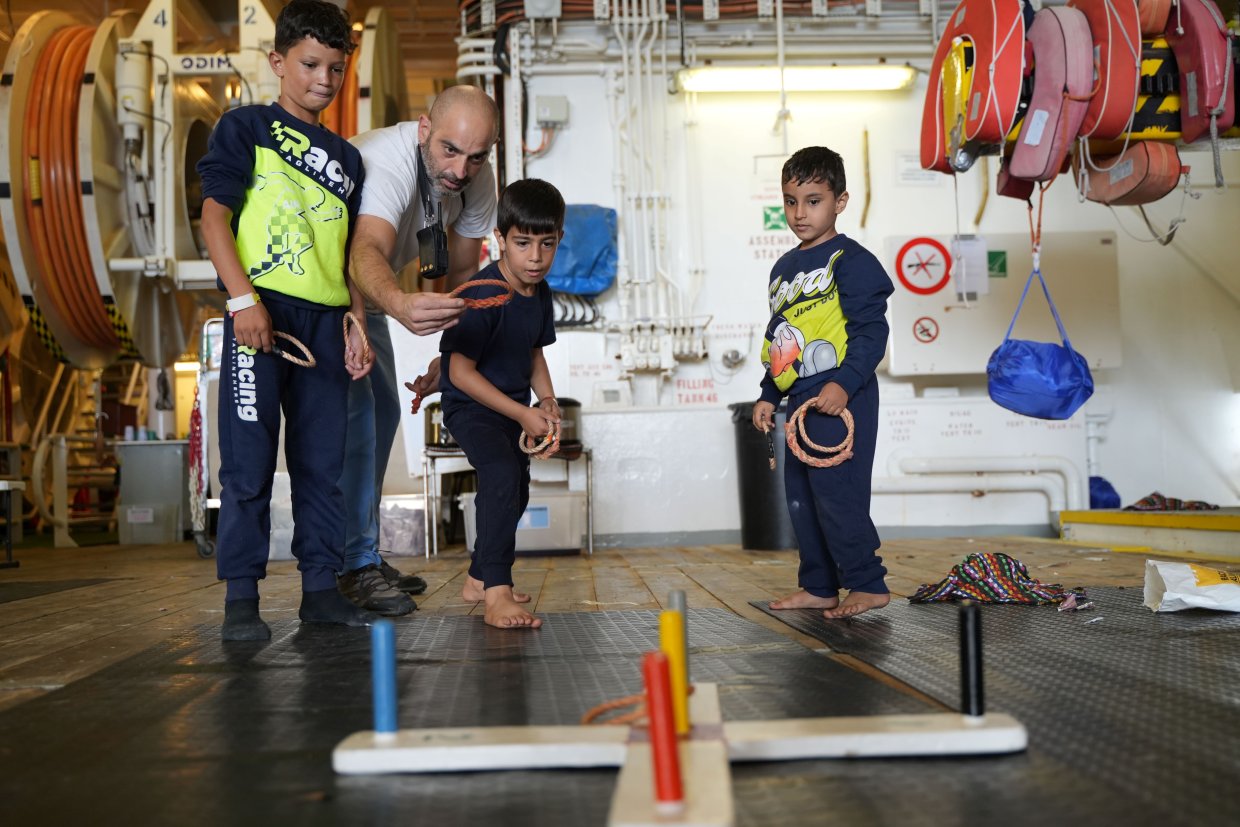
point(433, 172)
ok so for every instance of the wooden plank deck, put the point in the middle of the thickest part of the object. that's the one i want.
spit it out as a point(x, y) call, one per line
point(152, 593)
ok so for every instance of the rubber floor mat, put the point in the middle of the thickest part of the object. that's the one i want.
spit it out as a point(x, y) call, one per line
point(1145, 703)
point(197, 732)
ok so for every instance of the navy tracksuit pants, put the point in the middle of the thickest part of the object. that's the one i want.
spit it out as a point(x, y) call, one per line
point(254, 388)
point(489, 440)
point(830, 507)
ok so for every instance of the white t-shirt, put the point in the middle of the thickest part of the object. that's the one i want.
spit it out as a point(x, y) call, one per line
point(390, 191)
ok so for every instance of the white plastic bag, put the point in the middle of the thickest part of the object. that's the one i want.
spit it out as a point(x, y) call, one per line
point(1173, 587)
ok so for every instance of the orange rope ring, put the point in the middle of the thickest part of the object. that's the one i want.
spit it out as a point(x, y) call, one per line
point(545, 448)
point(796, 425)
point(490, 301)
point(593, 715)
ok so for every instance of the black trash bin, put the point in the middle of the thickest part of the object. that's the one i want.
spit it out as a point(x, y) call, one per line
point(765, 525)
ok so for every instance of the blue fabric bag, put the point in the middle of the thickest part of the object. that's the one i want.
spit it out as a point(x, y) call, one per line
point(1102, 494)
point(1038, 379)
point(585, 264)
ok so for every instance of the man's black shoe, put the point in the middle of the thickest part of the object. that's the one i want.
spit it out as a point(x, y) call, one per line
point(368, 589)
point(407, 583)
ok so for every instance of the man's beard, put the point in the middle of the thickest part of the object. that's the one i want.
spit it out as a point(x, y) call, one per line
point(437, 178)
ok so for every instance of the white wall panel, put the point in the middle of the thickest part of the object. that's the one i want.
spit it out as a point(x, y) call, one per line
point(1171, 407)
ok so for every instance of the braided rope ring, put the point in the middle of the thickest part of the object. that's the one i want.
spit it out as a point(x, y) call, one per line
point(490, 301)
point(361, 331)
point(796, 426)
point(546, 447)
point(308, 362)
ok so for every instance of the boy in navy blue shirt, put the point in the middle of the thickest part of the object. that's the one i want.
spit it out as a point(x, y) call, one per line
point(491, 361)
point(827, 334)
point(280, 194)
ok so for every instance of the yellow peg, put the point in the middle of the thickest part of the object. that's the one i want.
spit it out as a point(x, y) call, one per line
point(672, 642)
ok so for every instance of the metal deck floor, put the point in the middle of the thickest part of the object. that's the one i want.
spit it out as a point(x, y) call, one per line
point(195, 732)
point(1147, 704)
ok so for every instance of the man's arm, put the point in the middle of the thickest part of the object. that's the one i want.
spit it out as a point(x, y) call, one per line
point(373, 242)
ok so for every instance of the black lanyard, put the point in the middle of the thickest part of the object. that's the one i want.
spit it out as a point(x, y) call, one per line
point(427, 192)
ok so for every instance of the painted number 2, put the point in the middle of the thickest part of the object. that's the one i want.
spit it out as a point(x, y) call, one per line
point(251, 16)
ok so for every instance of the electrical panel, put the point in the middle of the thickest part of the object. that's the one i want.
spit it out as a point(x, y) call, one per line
point(551, 111)
point(542, 9)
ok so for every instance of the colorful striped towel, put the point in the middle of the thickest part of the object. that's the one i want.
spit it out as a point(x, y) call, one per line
point(991, 577)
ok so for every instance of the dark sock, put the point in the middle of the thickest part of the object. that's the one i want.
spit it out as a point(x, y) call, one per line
point(241, 588)
point(242, 622)
point(330, 606)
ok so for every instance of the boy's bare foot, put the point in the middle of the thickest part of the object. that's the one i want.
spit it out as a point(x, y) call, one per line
point(805, 600)
point(475, 592)
point(503, 612)
point(858, 602)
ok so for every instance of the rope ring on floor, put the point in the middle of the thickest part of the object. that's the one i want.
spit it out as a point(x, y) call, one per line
point(796, 426)
point(594, 715)
point(490, 301)
point(545, 448)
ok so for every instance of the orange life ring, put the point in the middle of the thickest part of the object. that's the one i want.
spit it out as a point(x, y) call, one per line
point(1116, 29)
point(1063, 61)
point(988, 103)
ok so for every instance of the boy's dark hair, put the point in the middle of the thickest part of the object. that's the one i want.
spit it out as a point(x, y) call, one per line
point(816, 163)
point(532, 206)
point(325, 22)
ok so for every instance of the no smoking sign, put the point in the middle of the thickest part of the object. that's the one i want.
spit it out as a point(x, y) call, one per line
point(925, 330)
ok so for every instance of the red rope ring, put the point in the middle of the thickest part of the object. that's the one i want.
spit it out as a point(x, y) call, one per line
point(490, 301)
point(594, 716)
point(796, 425)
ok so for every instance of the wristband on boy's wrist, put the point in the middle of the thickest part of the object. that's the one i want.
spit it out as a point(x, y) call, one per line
point(239, 303)
point(545, 398)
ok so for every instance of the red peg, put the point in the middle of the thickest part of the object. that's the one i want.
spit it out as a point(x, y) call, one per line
point(668, 788)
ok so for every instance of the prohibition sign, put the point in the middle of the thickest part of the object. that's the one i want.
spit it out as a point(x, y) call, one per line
point(923, 265)
point(925, 330)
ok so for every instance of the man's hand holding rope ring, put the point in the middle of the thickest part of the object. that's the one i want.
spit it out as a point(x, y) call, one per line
point(357, 356)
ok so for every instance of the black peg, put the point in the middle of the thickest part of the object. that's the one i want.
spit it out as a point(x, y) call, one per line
point(972, 698)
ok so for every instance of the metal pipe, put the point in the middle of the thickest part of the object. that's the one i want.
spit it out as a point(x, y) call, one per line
point(967, 484)
point(1064, 467)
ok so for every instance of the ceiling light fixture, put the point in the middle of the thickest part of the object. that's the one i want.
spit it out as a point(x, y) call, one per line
point(878, 77)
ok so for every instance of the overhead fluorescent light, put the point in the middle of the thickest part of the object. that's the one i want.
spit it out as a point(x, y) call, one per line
point(870, 78)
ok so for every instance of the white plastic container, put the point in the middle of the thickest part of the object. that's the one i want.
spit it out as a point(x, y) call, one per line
point(554, 521)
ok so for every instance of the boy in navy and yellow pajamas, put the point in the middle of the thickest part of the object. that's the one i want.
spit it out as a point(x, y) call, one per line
point(827, 334)
point(280, 194)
